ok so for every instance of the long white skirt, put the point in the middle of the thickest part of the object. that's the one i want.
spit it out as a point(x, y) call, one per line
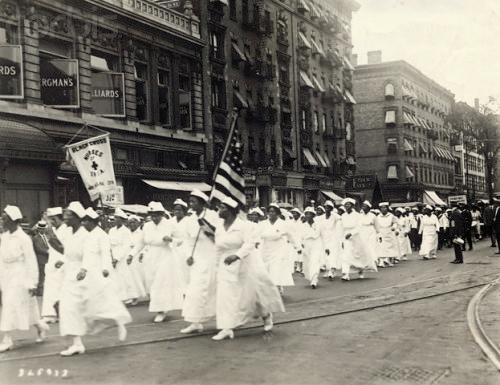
point(150, 264)
point(124, 281)
point(51, 288)
point(312, 254)
point(137, 271)
point(357, 253)
point(429, 244)
point(278, 266)
point(404, 244)
point(389, 247)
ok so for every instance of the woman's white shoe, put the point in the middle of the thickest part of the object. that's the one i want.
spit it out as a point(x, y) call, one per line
point(122, 333)
point(193, 328)
point(223, 334)
point(268, 323)
point(160, 317)
point(72, 350)
point(41, 329)
point(6, 345)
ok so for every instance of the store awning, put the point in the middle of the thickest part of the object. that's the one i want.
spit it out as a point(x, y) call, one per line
point(177, 186)
point(409, 172)
point(238, 52)
point(350, 98)
point(303, 39)
point(431, 198)
point(321, 160)
point(348, 64)
point(309, 157)
point(449, 155)
point(239, 99)
point(407, 145)
point(438, 152)
point(317, 84)
point(305, 81)
point(332, 196)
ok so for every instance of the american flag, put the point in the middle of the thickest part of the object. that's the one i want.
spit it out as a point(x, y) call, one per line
point(229, 181)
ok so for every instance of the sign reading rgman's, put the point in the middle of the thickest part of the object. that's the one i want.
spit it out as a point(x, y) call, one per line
point(108, 94)
point(11, 72)
point(59, 83)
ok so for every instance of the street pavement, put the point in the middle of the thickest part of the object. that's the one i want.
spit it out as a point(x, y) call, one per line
point(368, 331)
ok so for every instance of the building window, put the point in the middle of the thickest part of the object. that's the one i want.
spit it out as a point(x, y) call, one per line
point(315, 122)
point(232, 10)
point(184, 96)
point(141, 91)
point(390, 118)
point(392, 172)
point(389, 91)
point(164, 99)
point(218, 93)
point(348, 131)
point(216, 46)
point(324, 124)
point(392, 146)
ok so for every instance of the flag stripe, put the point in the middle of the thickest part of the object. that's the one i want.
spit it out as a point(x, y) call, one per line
point(222, 192)
point(237, 177)
point(228, 186)
point(237, 185)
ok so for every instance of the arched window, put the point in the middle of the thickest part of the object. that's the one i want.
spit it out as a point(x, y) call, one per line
point(389, 90)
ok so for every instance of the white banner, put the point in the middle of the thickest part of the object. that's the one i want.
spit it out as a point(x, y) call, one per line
point(94, 161)
point(114, 198)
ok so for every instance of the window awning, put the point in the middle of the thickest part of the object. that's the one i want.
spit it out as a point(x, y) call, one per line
point(304, 41)
point(339, 91)
point(422, 148)
point(392, 172)
point(407, 145)
point(238, 51)
point(239, 99)
point(177, 186)
point(332, 196)
point(327, 160)
point(431, 198)
point(350, 98)
point(409, 172)
point(305, 80)
point(289, 153)
point(317, 48)
point(321, 160)
point(302, 4)
point(348, 64)
point(449, 155)
point(98, 63)
point(317, 84)
point(390, 117)
point(309, 157)
point(406, 118)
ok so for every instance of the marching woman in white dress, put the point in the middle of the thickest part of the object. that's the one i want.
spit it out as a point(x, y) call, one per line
point(296, 226)
point(429, 229)
point(120, 238)
point(275, 235)
point(53, 276)
point(332, 239)
point(312, 247)
point(404, 231)
point(199, 303)
point(152, 244)
point(135, 264)
point(18, 280)
point(387, 231)
point(368, 232)
point(244, 289)
point(355, 253)
point(182, 241)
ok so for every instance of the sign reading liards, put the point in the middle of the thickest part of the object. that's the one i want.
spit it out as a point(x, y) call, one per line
point(108, 94)
point(59, 83)
point(11, 72)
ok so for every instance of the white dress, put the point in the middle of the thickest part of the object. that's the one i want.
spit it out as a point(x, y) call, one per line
point(136, 267)
point(403, 239)
point(18, 274)
point(121, 243)
point(368, 234)
point(199, 303)
point(244, 288)
point(386, 228)
point(313, 250)
point(53, 276)
point(429, 227)
point(331, 236)
point(275, 251)
point(295, 228)
point(182, 246)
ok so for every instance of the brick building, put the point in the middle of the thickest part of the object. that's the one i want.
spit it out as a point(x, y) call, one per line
point(285, 64)
point(152, 58)
point(402, 136)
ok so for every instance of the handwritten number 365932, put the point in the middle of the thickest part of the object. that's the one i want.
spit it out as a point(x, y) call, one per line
point(42, 372)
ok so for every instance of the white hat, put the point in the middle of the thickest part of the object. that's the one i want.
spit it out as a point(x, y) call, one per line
point(134, 217)
point(275, 205)
point(77, 208)
point(155, 207)
point(180, 202)
point(41, 224)
point(329, 203)
point(407, 208)
point(54, 211)
point(290, 215)
point(119, 213)
point(90, 212)
point(296, 210)
point(438, 209)
point(256, 210)
point(321, 208)
point(429, 207)
point(341, 208)
point(13, 212)
point(381, 204)
point(400, 210)
point(309, 210)
point(229, 202)
point(367, 203)
point(348, 200)
point(200, 194)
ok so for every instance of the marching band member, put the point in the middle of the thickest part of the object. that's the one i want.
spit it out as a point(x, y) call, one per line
point(244, 290)
point(274, 233)
point(312, 247)
point(135, 264)
point(199, 303)
point(18, 280)
point(429, 228)
point(386, 226)
point(120, 238)
point(331, 239)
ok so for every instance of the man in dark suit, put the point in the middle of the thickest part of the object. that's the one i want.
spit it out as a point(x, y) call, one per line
point(488, 217)
point(457, 230)
point(467, 217)
point(496, 223)
point(41, 246)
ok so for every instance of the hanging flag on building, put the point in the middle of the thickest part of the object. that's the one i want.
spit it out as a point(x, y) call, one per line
point(94, 162)
point(229, 180)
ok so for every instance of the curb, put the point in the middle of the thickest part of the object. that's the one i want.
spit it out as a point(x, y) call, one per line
point(489, 348)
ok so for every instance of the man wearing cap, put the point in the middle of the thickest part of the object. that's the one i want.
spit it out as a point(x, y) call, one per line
point(429, 228)
point(199, 303)
point(18, 280)
point(120, 239)
point(41, 246)
point(415, 218)
point(456, 234)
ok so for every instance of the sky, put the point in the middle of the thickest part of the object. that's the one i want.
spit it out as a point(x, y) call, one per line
point(454, 42)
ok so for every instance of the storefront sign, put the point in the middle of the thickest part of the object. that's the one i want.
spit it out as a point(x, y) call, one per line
point(59, 83)
point(11, 72)
point(362, 182)
point(94, 162)
point(456, 199)
point(108, 94)
point(114, 197)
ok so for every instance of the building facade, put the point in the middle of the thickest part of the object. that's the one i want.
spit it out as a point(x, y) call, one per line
point(132, 68)
point(285, 65)
point(402, 136)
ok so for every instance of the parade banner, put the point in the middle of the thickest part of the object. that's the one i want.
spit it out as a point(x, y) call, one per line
point(114, 197)
point(108, 94)
point(59, 83)
point(11, 72)
point(94, 162)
